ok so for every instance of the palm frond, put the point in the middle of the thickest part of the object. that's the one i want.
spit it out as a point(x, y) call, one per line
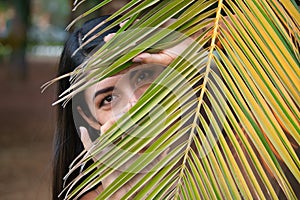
point(218, 123)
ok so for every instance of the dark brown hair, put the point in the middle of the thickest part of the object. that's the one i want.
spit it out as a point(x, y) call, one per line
point(67, 143)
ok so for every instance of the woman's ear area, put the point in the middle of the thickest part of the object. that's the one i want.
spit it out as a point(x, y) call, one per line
point(90, 120)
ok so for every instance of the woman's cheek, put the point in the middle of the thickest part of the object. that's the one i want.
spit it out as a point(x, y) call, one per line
point(103, 117)
point(141, 90)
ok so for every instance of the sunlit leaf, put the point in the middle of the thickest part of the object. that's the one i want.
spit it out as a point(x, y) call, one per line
point(224, 114)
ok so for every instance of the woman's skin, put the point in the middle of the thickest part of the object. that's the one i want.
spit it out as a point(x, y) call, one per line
point(109, 99)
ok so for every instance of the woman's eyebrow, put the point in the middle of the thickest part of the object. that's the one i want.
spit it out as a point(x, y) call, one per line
point(132, 74)
point(102, 91)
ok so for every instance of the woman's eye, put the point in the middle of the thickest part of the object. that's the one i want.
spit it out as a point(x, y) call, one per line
point(144, 76)
point(108, 100)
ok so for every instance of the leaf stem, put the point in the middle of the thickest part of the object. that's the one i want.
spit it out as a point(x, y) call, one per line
point(200, 98)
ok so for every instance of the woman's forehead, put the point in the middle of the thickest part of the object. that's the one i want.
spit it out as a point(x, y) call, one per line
point(121, 77)
point(133, 67)
point(109, 81)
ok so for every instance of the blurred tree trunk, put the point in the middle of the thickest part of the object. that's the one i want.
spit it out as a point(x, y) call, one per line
point(18, 38)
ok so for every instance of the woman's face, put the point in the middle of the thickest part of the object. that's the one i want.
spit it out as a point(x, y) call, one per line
point(110, 98)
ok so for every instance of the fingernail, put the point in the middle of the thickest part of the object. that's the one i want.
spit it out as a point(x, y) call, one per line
point(82, 130)
point(137, 59)
point(108, 37)
point(123, 23)
point(105, 38)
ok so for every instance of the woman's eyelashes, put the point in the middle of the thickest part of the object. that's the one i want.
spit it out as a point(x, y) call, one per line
point(106, 101)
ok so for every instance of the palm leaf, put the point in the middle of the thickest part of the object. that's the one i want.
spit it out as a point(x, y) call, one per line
point(226, 120)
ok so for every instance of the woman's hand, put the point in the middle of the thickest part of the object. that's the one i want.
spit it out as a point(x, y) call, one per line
point(164, 57)
point(87, 143)
point(116, 173)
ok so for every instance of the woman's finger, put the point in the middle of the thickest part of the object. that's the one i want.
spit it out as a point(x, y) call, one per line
point(85, 138)
point(123, 23)
point(108, 37)
point(107, 125)
point(160, 58)
point(164, 57)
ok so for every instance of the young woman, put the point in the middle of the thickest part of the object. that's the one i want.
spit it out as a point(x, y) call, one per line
point(120, 91)
point(102, 104)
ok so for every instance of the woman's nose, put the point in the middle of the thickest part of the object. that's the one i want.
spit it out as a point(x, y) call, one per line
point(133, 97)
point(126, 107)
point(132, 101)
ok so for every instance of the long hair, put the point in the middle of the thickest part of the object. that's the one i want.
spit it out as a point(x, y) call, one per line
point(67, 143)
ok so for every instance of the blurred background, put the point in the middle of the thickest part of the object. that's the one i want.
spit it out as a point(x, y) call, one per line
point(32, 33)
